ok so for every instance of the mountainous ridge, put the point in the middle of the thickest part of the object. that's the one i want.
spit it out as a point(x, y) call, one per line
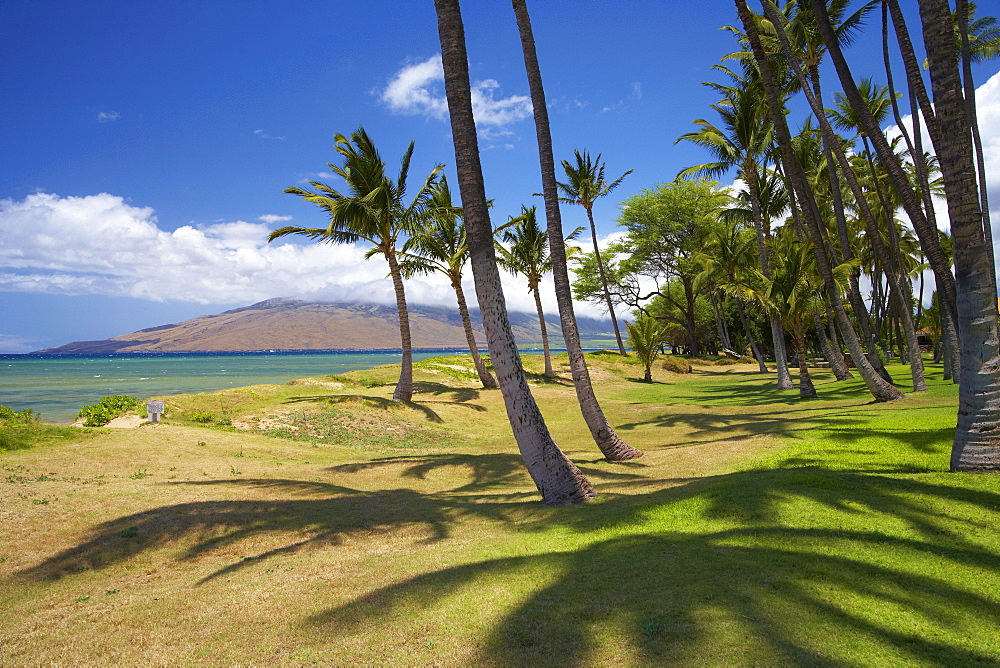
point(290, 324)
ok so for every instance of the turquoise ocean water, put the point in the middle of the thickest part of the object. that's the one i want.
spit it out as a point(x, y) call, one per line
point(57, 386)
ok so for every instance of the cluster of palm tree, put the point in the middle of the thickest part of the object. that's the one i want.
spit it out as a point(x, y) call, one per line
point(806, 270)
point(837, 185)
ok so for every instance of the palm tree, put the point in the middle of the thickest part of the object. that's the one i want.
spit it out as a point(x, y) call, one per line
point(795, 294)
point(440, 245)
point(585, 182)
point(555, 476)
point(977, 434)
point(526, 252)
point(880, 389)
point(728, 261)
point(645, 337)
point(611, 445)
point(372, 210)
point(743, 143)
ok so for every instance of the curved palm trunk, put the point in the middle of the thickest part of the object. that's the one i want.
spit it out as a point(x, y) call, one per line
point(828, 351)
point(777, 331)
point(555, 476)
point(926, 231)
point(881, 390)
point(404, 387)
point(806, 388)
point(549, 373)
point(604, 281)
point(758, 355)
point(611, 445)
point(903, 307)
point(977, 434)
point(488, 381)
point(839, 365)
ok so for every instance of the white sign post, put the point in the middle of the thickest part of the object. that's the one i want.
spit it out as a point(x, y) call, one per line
point(154, 409)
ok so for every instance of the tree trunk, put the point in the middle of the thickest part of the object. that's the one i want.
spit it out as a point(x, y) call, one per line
point(806, 388)
point(923, 225)
point(881, 390)
point(977, 434)
point(604, 280)
point(777, 332)
point(961, 10)
point(488, 381)
point(555, 476)
point(875, 239)
point(838, 363)
point(549, 373)
point(758, 355)
point(404, 387)
point(611, 445)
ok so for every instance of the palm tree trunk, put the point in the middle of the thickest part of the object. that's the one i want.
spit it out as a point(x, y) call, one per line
point(881, 390)
point(916, 367)
point(758, 355)
point(926, 230)
point(604, 282)
point(404, 387)
point(549, 373)
point(961, 10)
point(558, 480)
point(611, 445)
point(977, 434)
point(839, 365)
point(806, 388)
point(488, 381)
point(777, 332)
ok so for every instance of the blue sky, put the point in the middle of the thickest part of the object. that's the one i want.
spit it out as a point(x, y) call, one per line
point(145, 146)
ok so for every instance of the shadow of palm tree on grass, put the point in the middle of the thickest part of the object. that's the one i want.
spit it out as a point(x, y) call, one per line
point(771, 589)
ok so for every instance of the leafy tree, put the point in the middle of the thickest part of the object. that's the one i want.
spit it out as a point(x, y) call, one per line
point(880, 389)
point(372, 209)
point(558, 480)
point(440, 245)
point(665, 228)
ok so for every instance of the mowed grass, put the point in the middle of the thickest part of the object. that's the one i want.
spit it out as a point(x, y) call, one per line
point(759, 529)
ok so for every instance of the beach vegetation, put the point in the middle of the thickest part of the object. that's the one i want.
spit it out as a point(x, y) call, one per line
point(107, 409)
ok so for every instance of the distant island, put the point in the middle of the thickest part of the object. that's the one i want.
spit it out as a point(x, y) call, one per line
point(290, 324)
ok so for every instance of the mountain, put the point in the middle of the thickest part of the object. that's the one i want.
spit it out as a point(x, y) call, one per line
point(286, 324)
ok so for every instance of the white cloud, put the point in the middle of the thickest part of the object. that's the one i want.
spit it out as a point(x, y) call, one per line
point(273, 218)
point(108, 116)
point(418, 89)
point(264, 135)
point(100, 245)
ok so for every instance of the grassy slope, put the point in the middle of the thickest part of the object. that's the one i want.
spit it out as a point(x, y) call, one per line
point(758, 529)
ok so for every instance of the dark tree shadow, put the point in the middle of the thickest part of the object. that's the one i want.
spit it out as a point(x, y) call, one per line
point(372, 401)
point(677, 595)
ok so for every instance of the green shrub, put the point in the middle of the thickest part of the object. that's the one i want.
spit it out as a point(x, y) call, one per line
point(9, 416)
point(676, 365)
point(99, 414)
point(203, 418)
point(729, 361)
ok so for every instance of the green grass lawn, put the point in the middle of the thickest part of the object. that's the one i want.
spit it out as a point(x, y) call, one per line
point(335, 527)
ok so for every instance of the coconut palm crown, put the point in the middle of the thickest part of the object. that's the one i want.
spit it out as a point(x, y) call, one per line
point(372, 209)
